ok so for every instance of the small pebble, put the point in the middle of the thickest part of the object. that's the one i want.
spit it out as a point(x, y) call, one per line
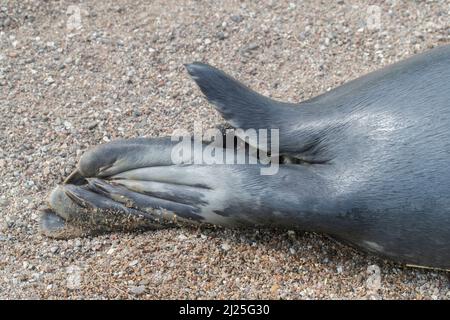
point(225, 246)
point(54, 249)
point(49, 81)
point(236, 18)
point(137, 291)
point(133, 263)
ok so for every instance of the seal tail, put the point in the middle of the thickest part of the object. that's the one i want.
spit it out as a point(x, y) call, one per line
point(238, 104)
point(299, 130)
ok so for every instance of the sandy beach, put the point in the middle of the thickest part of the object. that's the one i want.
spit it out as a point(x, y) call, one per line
point(77, 74)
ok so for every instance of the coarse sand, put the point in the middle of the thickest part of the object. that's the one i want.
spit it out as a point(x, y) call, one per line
point(76, 75)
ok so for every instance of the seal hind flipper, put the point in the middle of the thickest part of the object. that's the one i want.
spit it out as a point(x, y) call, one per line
point(112, 158)
point(238, 104)
point(78, 211)
point(385, 189)
point(300, 127)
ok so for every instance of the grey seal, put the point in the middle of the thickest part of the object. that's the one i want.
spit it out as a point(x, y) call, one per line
point(367, 163)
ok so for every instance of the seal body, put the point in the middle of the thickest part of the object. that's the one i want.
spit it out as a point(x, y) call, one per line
point(371, 165)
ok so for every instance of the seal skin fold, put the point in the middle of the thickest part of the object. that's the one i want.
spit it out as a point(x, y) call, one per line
point(369, 163)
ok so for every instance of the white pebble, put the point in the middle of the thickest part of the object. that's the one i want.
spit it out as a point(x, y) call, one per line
point(133, 263)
